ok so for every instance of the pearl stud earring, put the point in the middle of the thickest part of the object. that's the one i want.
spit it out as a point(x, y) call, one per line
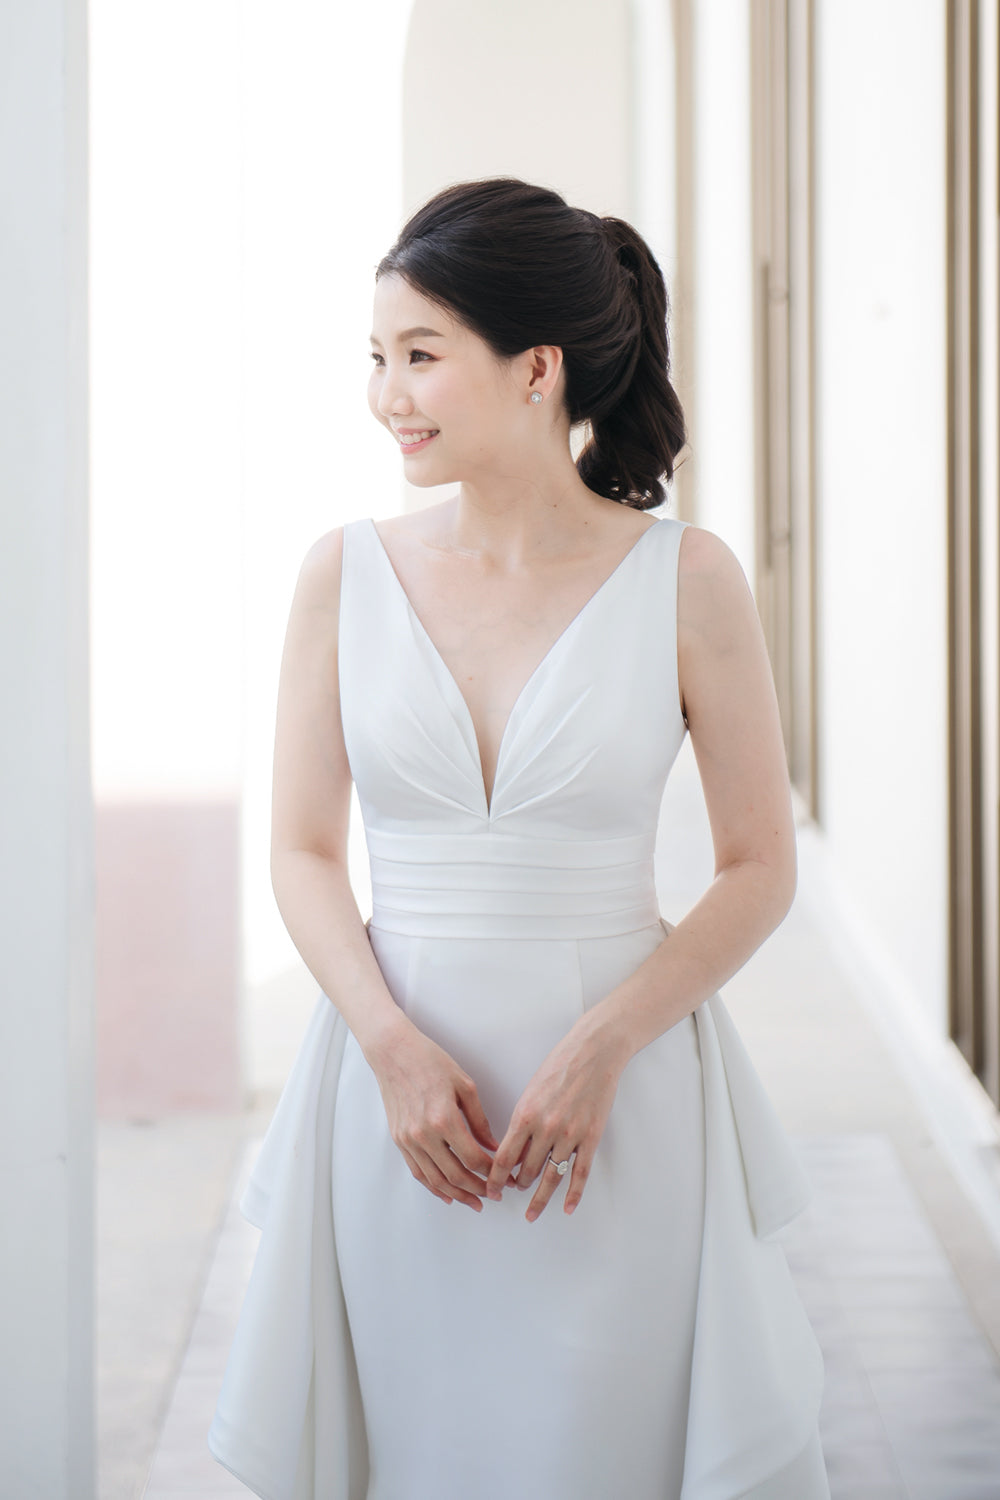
point(536, 396)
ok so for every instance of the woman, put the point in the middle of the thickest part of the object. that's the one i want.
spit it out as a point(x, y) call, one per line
point(508, 676)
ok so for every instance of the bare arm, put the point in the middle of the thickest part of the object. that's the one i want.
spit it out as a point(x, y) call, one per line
point(432, 1105)
point(310, 807)
point(730, 705)
point(731, 708)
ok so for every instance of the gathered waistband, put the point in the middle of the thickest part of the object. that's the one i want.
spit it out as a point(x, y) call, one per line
point(494, 885)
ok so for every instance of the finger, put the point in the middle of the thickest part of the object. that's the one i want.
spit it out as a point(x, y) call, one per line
point(578, 1179)
point(508, 1154)
point(460, 1148)
point(438, 1180)
point(455, 1174)
point(444, 1123)
point(468, 1150)
point(416, 1172)
point(468, 1097)
point(546, 1187)
point(534, 1162)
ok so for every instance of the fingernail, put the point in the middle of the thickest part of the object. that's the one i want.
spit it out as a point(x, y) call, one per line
point(531, 1215)
point(494, 1193)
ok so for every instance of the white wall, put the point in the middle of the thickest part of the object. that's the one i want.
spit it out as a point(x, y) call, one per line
point(881, 364)
point(537, 91)
point(722, 444)
point(166, 396)
point(166, 550)
point(46, 852)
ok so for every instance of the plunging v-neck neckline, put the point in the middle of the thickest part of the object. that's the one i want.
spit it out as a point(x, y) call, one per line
point(489, 798)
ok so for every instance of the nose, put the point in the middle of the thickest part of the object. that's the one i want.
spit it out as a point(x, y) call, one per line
point(392, 396)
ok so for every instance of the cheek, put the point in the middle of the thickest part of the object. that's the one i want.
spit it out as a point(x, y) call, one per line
point(465, 400)
point(373, 397)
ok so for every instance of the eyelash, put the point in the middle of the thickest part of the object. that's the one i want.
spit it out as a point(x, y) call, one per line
point(376, 357)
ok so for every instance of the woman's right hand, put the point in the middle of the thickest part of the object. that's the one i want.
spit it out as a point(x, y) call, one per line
point(435, 1116)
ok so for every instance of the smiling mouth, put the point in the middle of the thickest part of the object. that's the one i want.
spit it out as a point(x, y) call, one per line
point(414, 439)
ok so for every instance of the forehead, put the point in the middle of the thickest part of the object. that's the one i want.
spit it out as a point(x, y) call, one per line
point(398, 307)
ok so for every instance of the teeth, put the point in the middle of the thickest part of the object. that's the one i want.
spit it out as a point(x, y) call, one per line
point(416, 437)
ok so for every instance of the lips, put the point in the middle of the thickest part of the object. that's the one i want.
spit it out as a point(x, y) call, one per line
point(415, 444)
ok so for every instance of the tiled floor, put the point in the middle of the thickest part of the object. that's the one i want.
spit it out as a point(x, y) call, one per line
point(161, 1185)
point(183, 1465)
point(911, 1407)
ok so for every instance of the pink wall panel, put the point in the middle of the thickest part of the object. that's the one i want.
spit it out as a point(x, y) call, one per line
point(168, 971)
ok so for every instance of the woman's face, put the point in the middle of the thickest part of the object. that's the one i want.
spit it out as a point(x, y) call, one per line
point(432, 374)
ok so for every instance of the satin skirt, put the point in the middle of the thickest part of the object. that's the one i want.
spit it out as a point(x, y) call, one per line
point(550, 1360)
point(393, 1347)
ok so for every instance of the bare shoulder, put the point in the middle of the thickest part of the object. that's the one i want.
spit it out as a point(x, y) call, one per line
point(318, 586)
point(731, 709)
point(714, 599)
point(721, 653)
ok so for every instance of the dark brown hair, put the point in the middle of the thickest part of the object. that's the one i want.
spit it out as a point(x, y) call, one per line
point(518, 266)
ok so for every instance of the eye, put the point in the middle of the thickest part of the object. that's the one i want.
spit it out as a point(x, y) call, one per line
point(420, 354)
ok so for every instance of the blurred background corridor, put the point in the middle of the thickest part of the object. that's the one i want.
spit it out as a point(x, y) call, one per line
point(195, 197)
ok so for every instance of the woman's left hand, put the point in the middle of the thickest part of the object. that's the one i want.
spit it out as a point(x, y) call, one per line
point(563, 1110)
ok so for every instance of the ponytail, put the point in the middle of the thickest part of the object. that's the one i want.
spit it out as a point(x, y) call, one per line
point(638, 429)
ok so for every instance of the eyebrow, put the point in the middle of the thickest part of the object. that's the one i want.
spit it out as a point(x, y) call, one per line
point(413, 333)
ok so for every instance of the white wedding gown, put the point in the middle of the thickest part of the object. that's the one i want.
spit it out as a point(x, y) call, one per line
point(652, 1345)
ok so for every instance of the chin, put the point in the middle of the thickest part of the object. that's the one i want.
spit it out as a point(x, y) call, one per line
point(429, 481)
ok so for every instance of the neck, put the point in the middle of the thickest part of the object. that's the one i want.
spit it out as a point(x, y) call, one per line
point(514, 518)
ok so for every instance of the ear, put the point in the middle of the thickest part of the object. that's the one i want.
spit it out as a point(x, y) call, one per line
point(545, 362)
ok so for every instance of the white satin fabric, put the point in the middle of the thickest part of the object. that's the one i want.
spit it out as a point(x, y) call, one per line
point(393, 1347)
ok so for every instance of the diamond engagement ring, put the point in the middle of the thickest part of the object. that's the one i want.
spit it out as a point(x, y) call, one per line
point(560, 1166)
